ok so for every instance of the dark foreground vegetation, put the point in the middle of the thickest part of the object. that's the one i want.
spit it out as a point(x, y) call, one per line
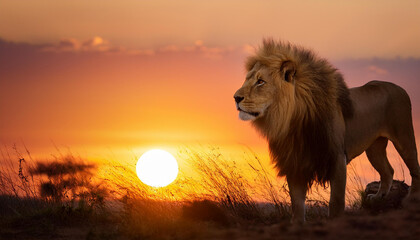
point(69, 198)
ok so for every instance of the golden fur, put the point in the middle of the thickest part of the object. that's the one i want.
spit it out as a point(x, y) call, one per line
point(298, 124)
point(315, 125)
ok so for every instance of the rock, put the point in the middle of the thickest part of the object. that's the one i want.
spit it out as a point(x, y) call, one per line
point(393, 200)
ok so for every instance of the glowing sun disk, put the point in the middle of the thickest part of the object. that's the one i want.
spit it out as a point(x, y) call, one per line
point(157, 168)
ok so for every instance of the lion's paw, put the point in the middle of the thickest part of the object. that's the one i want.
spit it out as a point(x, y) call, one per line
point(373, 198)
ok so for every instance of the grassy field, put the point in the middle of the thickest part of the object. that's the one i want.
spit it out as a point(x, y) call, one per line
point(67, 197)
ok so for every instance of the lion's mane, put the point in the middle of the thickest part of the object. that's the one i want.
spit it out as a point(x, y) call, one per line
point(299, 127)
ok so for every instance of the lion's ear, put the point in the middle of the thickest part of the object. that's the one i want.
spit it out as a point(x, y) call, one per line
point(288, 70)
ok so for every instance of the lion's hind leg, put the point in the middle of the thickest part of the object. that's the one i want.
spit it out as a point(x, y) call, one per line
point(406, 146)
point(376, 154)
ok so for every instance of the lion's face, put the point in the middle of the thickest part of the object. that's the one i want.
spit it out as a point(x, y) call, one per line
point(256, 94)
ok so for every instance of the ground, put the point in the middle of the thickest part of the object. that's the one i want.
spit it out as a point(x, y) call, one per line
point(396, 224)
point(362, 224)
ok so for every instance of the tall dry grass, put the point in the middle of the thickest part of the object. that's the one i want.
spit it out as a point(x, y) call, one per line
point(215, 191)
point(38, 196)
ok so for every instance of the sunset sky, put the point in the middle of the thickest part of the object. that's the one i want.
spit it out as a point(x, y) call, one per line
point(101, 77)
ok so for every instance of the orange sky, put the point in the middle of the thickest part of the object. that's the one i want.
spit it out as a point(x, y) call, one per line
point(126, 75)
point(381, 28)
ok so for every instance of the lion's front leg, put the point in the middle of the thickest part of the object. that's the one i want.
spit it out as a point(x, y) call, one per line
point(297, 191)
point(338, 188)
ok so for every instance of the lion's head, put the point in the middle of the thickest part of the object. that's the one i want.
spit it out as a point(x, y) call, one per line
point(262, 89)
point(291, 95)
point(268, 90)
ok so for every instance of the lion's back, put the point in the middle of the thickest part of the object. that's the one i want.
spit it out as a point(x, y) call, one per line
point(380, 94)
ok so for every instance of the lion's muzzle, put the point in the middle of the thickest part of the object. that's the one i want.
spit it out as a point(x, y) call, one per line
point(244, 115)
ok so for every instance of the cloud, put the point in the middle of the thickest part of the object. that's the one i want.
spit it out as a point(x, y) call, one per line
point(68, 44)
point(200, 48)
point(95, 44)
point(249, 49)
point(101, 45)
point(199, 43)
point(377, 70)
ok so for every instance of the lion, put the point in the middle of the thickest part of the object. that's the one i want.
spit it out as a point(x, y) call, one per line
point(315, 125)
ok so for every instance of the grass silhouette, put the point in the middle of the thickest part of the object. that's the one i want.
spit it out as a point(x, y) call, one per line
point(107, 200)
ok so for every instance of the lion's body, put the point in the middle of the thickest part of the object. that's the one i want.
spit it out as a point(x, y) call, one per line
point(315, 125)
point(382, 109)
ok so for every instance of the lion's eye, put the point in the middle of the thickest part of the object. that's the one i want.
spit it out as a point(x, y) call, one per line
point(260, 82)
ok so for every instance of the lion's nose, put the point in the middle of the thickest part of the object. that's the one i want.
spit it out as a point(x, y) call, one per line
point(238, 99)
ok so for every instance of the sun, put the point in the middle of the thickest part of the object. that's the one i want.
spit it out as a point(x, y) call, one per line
point(157, 168)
